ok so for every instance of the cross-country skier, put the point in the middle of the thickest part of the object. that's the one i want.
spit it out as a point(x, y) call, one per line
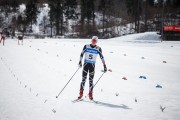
point(2, 38)
point(91, 51)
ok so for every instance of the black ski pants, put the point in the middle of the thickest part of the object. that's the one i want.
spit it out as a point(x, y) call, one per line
point(88, 67)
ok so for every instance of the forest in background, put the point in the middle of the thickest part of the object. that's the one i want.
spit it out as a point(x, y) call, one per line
point(84, 18)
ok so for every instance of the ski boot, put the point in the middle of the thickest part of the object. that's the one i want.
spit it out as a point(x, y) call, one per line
point(80, 94)
point(91, 95)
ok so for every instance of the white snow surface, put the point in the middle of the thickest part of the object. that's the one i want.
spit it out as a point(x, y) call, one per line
point(31, 75)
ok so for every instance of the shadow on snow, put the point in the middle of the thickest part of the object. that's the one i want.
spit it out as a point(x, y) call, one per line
point(122, 106)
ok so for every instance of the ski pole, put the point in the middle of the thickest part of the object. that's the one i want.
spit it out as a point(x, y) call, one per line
point(98, 80)
point(67, 83)
point(101, 77)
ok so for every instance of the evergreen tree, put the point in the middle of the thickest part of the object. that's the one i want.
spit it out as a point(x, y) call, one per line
point(104, 7)
point(151, 2)
point(134, 9)
point(31, 12)
point(87, 13)
point(1, 21)
point(52, 16)
point(90, 16)
point(60, 9)
point(130, 8)
point(83, 10)
point(21, 23)
point(14, 6)
point(87, 8)
point(13, 25)
point(70, 7)
point(159, 2)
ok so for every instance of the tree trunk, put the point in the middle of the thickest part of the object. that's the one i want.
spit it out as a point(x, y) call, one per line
point(13, 31)
point(145, 22)
point(135, 14)
point(103, 20)
point(61, 25)
point(82, 17)
point(61, 19)
point(31, 25)
point(93, 20)
point(57, 27)
point(44, 25)
point(138, 17)
point(88, 28)
point(51, 28)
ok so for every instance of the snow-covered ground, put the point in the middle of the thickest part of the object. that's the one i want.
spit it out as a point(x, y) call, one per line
point(33, 74)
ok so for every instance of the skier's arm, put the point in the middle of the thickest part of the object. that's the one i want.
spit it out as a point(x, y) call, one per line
point(81, 56)
point(102, 59)
point(101, 56)
point(82, 53)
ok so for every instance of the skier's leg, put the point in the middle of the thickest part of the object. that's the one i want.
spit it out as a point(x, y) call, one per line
point(91, 77)
point(3, 41)
point(84, 77)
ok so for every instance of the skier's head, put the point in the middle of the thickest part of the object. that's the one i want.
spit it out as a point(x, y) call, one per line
point(94, 40)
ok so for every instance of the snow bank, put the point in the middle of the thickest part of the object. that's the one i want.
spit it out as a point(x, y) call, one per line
point(140, 36)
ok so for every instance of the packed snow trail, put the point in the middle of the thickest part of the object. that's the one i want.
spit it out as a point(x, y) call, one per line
point(32, 75)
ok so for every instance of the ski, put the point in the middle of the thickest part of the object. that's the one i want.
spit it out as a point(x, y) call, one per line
point(81, 99)
point(77, 100)
point(90, 101)
point(94, 101)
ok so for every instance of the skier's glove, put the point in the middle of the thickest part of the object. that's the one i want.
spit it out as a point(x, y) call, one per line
point(105, 68)
point(80, 64)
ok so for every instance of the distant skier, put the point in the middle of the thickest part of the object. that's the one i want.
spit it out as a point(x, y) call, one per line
point(91, 51)
point(2, 38)
point(20, 38)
